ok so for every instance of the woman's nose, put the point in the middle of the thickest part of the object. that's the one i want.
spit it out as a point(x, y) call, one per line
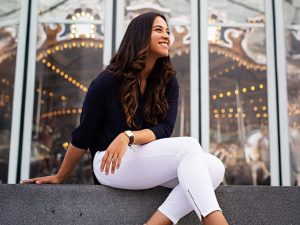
point(166, 35)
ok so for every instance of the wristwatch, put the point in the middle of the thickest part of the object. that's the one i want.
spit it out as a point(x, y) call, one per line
point(130, 136)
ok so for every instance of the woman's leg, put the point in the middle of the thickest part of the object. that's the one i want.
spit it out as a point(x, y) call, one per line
point(163, 160)
point(177, 205)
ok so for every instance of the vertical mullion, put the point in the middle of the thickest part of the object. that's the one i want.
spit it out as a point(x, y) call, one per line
point(194, 68)
point(107, 49)
point(204, 82)
point(17, 95)
point(29, 99)
point(271, 93)
point(120, 29)
point(282, 98)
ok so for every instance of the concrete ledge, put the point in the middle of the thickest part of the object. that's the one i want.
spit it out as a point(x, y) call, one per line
point(97, 204)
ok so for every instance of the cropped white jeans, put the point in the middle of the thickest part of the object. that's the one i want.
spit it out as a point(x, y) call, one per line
point(177, 163)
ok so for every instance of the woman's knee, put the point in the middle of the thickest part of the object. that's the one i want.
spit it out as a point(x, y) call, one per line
point(217, 170)
point(192, 144)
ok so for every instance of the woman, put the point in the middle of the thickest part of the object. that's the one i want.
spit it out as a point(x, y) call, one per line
point(128, 116)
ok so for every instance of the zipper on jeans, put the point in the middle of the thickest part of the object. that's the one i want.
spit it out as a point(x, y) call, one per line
point(194, 201)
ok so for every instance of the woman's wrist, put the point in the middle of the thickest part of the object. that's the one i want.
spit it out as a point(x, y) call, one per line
point(124, 138)
point(60, 178)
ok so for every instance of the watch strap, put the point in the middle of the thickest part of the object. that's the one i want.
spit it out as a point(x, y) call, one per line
point(130, 136)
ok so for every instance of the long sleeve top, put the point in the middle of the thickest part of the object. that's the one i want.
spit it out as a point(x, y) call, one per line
point(102, 117)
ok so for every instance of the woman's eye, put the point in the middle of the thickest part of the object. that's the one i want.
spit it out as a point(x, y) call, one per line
point(160, 30)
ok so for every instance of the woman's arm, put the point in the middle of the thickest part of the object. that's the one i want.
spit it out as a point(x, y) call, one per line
point(72, 157)
point(143, 136)
point(93, 113)
point(165, 127)
point(116, 150)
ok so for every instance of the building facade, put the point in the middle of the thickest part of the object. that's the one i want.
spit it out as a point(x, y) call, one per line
point(236, 62)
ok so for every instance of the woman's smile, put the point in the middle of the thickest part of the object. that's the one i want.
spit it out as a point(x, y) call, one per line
point(164, 44)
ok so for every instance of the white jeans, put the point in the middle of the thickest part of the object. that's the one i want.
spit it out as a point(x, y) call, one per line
point(177, 163)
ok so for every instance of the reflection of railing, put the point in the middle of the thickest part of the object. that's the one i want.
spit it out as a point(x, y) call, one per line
point(44, 54)
point(66, 76)
point(252, 88)
point(238, 112)
point(237, 58)
point(61, 112)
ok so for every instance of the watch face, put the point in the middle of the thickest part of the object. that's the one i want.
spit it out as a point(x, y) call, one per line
point(129, 133)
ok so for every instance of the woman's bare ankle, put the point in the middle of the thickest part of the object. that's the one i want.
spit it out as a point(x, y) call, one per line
point(215, 218)
point(158, 219)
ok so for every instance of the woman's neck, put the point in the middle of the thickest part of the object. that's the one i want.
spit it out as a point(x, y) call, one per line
point(150, 61)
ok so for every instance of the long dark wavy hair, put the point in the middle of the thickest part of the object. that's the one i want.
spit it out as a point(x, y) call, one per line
point(130, 61)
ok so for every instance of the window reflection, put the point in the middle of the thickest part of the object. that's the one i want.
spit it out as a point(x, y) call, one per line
point(235, 11)
point(69, 57)
point(8, 49)
point(178, 17)
point(9, 14)
point(292, 40)
point(238, 94)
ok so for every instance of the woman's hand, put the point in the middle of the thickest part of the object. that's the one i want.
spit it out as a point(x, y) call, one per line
point(43, 180)
point(114, 154)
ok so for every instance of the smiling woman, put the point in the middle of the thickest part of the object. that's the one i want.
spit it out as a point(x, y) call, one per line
point(128, 116)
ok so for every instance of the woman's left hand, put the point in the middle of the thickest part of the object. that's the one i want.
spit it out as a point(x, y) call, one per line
point(114, 154)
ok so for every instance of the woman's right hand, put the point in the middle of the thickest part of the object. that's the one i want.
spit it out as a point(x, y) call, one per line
point(43, 180)
point(72, 157)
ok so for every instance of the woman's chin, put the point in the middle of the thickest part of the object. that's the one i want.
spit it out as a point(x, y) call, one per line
point(164, 54)
point(158, 55)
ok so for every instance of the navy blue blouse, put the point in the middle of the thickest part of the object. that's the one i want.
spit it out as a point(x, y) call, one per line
point(102, 117)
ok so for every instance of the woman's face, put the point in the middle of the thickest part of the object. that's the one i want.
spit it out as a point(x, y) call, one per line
point(160, 38)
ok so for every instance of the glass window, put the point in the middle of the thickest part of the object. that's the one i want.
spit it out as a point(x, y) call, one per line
point(69, 56)
point(238, 95)
point(292, 43)
point(9, 14)
point(178, 17)
point(236, 11)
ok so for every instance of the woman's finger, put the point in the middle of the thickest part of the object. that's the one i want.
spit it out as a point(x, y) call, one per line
point(107, 163)
point(120, 157)
point(103, 161)
point(113, 163)
point(28, 181)
point(36, 180)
